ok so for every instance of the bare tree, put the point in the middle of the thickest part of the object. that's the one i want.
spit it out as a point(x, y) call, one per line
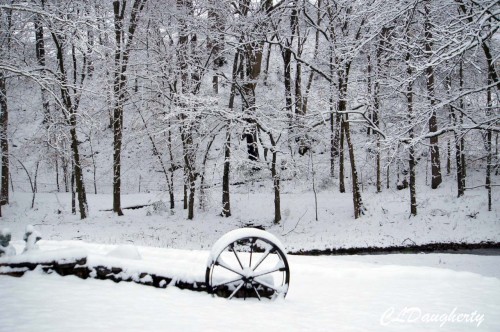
point(124, 38)
point(5, 41)
point(71, 102)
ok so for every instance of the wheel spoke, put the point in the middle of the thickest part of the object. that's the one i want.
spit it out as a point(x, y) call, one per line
point(236, 290)
point(230, 269)
point(237, 257)
point(269, 271)
point(265, 284)
point(252, 242)
point(227, 282)
point(262, 259)
point(256, 291)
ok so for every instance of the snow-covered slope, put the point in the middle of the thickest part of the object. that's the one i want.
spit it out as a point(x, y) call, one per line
point(442, 218)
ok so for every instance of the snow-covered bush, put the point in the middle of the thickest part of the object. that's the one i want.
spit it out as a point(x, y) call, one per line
point(31, 237)
point(157, 208)
point(5, 247)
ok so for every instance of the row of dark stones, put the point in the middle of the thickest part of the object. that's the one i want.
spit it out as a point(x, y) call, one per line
point(78, 267)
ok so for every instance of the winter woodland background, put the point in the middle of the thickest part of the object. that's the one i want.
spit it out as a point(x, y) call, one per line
point(202, 99)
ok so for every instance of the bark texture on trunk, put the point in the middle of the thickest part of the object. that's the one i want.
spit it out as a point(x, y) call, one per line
point(429, 74)
point(411, 150)
point(4, 143)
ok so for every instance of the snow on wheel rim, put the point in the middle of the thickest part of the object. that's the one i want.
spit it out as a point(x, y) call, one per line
point(248, 262)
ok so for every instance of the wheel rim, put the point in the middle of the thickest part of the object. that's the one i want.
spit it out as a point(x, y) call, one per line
point(249, 267)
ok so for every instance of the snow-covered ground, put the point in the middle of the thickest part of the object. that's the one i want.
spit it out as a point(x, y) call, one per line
point(414, 292)
point(441, 218)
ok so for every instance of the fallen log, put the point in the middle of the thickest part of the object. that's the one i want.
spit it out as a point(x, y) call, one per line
point(77, 266)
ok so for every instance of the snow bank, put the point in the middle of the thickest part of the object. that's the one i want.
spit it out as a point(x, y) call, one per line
point(62, 255)
point(127, 251)
point(355, 293)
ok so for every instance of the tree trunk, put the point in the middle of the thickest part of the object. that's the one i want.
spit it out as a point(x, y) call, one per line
point(253, 55)
point(71, 107)
point(4, 143)
point(40, 56)
point(411, 150)
point(190, 171)
point(341, 157)
point(66, 174)
point(94, 165)
point(268, 60)
point(388, 177)
point(118, 85)
point(226, 199)
point(73, 195)
point(80, 185)
point(188, 78)
point(359, 209)
point(203, 198)
point(376, 105)
point(276, 182)
point(374, 113)
point(185, 192)
point(305, 97)
point(287, 80)
point(429, 72)
point(456, 118)
point(334, 125)
point(172, 169)
point(57, 173)
point(462, 134)
point(4, 111)
point(121, 57)
point(489, 113)
point(342, 107)
point(216, 41)
point(117, 146)
point(371, 95)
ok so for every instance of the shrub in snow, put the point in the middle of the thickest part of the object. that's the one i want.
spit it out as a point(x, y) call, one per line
point(4, 237)
point(5, 247)
point(31, 237)
point(157, 208)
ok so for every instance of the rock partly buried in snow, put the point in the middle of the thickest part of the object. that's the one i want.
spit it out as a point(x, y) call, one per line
point(125, 251)
point(31, 237)
point(4, 237)
point(5, 247)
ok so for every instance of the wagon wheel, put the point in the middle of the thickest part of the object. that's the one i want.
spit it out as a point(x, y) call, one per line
point(248, 262)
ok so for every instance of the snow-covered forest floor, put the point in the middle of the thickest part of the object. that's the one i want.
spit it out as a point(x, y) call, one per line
point(442, 218)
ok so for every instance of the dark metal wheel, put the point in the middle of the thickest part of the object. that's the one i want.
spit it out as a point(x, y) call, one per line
point(248, 262)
